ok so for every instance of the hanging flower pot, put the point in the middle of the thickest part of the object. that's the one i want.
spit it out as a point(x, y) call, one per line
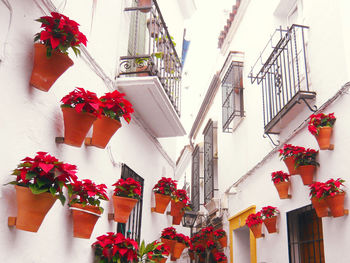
point(282, 189)
point(324, 137)
point(256, 230)
point(288, 154)
point(223, 241)
point(254, 222)
point(307, 173)
point(321, 126)
point(162, 202)
point(144, 3)
point(270, 224)
point(221, 237)
point(177, 218)
point(162, 193)
point(32, 208)
point(269, 215)
point(290, 163)
point(176, 207)
point(170, 243)
point(178, 248)
point(320, 206)
point(336, 204)
point(47, 70)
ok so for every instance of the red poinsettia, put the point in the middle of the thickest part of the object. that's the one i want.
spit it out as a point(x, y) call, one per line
point(45, 173)
point(161, 251)
point(169, 233)
point(165, 186)
point(280, 176)
point(207, 230)
point(180, 195)
point(115, 106)
point(87, 192)
point(59, 33)
point(114, 247)
point(320, 120)
point(127, 188)
point(269, 211)
point(181, 238)
point(82, 101)
point(289, 150)
point(306, 157)
point(220, 257)
point(331, 187)
point(219, 233)
point(254, 219)
point(211, 245)
point(199, 249)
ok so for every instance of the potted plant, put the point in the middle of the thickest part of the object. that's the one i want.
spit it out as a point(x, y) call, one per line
point(211, 246)
point(85, 201)
point(113, 106)
point(168, 237)
point(221, 237)
point(220, 257)
point(254, 222)
point(114, 247)
point(269, 216)
point(177, 218)
point(288, 154)
point(126, 194)
point(282, 183)
point(51, 60)
point(182, 241)
point(321, 126)
point(39, 182)
point(200, 251)
point(318, 194)
point(306, 163)
point(179, 199)
point(80, 109)
point(162, 192)
point(208, 233)
point(335, 196)
point(160, 253)
point(145, 3)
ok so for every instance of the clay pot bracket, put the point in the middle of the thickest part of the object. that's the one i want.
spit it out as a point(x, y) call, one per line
point(331, 147)
point(59, 140)
point(346, 212)
point(289, 197)
point(11, 221)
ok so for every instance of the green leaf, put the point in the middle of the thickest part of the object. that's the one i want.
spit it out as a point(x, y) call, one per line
point(36, 190)
point(62, 198)
point(70, 189)
point(30, 175)
point(52, 190)
point(41, 182)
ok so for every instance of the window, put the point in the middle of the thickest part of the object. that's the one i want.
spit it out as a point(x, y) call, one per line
point(195, 196)
point(232, 95)
point(305, 236)
point(132, 228)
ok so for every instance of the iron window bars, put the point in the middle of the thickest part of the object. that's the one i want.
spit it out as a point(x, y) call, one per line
point(283, 75)
point(152, 52)
point(132, 229)
point(195, 191)
point(208, 162)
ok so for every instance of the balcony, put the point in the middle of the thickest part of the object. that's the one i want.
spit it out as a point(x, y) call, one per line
point(283, 77)
point(150, 75)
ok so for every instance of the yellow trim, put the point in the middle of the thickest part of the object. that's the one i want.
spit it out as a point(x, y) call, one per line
point(237, 221)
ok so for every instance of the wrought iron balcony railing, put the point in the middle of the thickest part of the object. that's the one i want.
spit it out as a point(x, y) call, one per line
point(151, 51)
point(283, 75)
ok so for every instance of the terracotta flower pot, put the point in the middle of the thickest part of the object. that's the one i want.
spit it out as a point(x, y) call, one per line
point(142, 68)
point(324, 137)
point(177, 219)
point(176, 207)
point(83, 221)
point(336, 204)
point(170, 243)
point(31, 208)
point(122, 208)
point(257, 230)
point(223, 241)
point(160, 260)
point(270, 224)
point(282, 189)
point(144, 3)
point(47, 70)
point(103, 130)
point(307, 173)
point(320, 206)
point(178, 248)
point(76, 126)
point(162, 202)
point(290, 163)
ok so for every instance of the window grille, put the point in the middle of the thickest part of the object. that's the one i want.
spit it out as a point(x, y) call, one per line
point(195, 193)
point(208, 162)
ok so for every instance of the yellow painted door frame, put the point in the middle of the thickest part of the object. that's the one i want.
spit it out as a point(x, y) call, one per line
point(237, 221)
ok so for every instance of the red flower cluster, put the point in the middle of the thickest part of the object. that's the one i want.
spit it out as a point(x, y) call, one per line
point(199, 249)
point(83, 101)
point(320, 120)
point(165, 186)
point(196, 237)
point(330, 188)
point(269, 211)
point(207, 230)
point(289, 150)
point(45, 173)
point(254, 219)
point(115, 247)
point(115, 106)
point(306, 157)
point(60, 33)
point(220, 257)
point(169, 233)
point(87, 192)
point(181, 238)
point(181, 195)
point(127, 188)
point(279, 176)
point(161, 251)
point(211, 245)
point(219, 233)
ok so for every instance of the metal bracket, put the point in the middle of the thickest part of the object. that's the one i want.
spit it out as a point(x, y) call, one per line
point(267, 135)
point(313, 109)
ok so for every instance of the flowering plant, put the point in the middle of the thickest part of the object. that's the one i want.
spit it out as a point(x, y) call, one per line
point(269, 211)
point(306, 157)
point(180, 195)
point(254, 219)
point(45, 173)
point(199, 249)
point(169, 233)
point(86, 192)
point(320, 120)
point(211, 245)
point(114, 106)
point(279, 176)
point(127, 188)
point(220, 257)
point(59, 33)
point(160, 251)
point(331, 187)
point(181, 238)
point(207, 230)
point(82, 101)
point(196, 237)
point(165, 186)
point(289, 150)
point(219, 233)
point(115, 248)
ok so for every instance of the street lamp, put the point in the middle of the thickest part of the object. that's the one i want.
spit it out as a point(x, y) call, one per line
point(189, 219)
